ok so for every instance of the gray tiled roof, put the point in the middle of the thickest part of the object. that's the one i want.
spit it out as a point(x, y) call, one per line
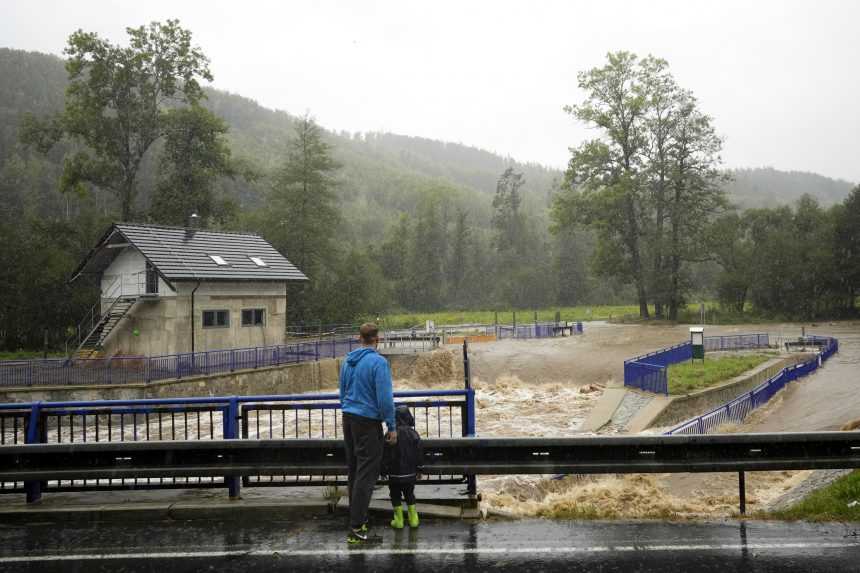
point(179, 253)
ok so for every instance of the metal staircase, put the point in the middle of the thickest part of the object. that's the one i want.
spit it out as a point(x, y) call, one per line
point(98, 324)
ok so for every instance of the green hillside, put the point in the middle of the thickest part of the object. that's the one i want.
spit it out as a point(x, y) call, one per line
point(381, 170)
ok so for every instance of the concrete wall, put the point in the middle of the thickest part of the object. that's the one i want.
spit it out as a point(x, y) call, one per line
point(289, 379)
point(164, 324)
point(680, 408)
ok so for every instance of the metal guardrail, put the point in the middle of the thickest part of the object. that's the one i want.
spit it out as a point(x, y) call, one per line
point(648, 372)
point(438, 413)
point(588, 455)
point(736, 410)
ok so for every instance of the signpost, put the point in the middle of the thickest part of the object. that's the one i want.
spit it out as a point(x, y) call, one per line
point(697, 339)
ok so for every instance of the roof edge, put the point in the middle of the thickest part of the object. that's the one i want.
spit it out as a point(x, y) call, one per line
point(195, 229)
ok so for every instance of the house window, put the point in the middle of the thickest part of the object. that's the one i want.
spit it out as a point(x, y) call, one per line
point(216, 318)
point(219, 260)
point(253, 317)
point(151, 279)
point(258, 261)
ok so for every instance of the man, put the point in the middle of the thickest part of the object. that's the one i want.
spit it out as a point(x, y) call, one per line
point(366, 400)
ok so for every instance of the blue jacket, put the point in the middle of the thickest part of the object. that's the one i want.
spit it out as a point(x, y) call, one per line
point(365, 386)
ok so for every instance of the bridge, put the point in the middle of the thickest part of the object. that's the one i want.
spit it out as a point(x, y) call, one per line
point(234, 442)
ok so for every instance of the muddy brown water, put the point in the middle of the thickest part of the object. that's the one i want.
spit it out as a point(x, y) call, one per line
point(525, 377)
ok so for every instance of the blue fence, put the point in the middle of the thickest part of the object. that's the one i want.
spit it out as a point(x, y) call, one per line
point(736, 342)
point(738, 409)
point(534, 330)
point(141, 369)
point(437, 413)
point(648, 372)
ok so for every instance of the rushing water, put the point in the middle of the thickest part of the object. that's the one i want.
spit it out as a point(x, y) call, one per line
point(825, 400)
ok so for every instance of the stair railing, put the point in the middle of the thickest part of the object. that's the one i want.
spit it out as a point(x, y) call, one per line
point(91, 321)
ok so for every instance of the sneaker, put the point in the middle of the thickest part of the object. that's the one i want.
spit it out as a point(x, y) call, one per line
point(362, 536)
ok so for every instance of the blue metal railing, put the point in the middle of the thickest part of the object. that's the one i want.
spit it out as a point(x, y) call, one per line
point(736, 342)
point(736, 410)
point(648, 372)
point(531, 330)
point(142, 369)
point(438, 413)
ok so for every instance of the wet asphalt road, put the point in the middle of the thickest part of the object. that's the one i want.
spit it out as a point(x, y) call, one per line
point(317, 544)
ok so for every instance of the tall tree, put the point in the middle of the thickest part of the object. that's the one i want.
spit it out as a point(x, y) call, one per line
point(604, 176)
point(303, 197)
point(847, 243)
point(696, 192)
point(663, 97)
point(508, 220)
point(116, 104)
point(650, 185)
point(729, 239)
point(458, 265)
point(426, 265)
point(195, 154)
point(304, 214)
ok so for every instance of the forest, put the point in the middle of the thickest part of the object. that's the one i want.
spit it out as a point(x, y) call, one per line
point(645, 213)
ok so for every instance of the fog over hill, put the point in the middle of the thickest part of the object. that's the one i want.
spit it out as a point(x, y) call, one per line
point(383, 173)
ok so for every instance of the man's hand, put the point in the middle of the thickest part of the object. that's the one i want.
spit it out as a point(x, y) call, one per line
point(391, 438)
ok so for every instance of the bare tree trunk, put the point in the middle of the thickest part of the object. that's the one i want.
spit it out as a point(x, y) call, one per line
point(658, 256)
point(635, 259)
point(675, 280)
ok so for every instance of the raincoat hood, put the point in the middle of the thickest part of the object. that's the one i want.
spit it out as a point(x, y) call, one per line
point(404, 416)
point(356, 355)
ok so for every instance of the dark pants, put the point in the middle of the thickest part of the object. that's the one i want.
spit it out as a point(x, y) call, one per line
point(363, 440)
point(401, 491)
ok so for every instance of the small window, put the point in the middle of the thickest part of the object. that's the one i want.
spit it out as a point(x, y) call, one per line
point(216, 318)
point(258, 261)
point(219, 260)
point(253, 317)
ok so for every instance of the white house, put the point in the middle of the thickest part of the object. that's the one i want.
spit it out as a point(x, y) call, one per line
point(167, 290)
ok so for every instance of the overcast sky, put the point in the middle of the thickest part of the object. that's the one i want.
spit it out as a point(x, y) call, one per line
point(781, 79)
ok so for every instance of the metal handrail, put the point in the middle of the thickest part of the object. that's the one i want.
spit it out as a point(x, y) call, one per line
point(89, 323)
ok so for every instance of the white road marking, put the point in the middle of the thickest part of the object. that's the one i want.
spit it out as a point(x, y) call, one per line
point(285, 552)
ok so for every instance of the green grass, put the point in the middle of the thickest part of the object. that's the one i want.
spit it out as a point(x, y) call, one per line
point(617, 313)
point(578, 313)
point(827, 504)
point(688, 377)
point(28, 354)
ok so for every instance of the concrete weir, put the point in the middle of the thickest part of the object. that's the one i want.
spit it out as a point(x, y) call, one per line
point(659, 410)
point(284, 379)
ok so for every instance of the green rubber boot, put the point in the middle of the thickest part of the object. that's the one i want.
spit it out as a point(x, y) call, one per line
point(413, 515)
point(397, 522)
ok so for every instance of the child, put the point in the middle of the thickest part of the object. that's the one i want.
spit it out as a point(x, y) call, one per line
point(402, 462)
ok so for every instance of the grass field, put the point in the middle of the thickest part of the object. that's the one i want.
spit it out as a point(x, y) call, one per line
point(831, 503)
point(688, 377)
point(574, 313)
point(624, 313)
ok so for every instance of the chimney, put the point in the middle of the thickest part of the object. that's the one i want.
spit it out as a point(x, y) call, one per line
point(192, 225)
